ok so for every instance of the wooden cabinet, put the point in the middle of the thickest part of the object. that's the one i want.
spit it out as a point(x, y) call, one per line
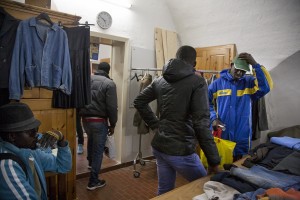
point(214, 58)
point(60, 186)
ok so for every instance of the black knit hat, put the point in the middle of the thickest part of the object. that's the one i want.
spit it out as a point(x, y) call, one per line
point(104, 66)
point(15, 117)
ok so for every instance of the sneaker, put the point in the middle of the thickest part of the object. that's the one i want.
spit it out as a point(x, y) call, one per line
point(100, 184)
point(80, 149)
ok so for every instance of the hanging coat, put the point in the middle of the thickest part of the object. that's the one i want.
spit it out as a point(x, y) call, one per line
point(142, 128)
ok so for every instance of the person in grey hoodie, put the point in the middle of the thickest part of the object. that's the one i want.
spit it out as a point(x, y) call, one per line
point(182, 100)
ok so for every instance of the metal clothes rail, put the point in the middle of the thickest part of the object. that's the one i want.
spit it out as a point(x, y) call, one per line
point(147, 69)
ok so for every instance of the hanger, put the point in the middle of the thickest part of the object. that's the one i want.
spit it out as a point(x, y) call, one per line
point(44, 16)
point(60, 24)
point(137, 77)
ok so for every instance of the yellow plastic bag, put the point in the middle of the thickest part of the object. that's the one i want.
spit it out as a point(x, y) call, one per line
point(225, 149)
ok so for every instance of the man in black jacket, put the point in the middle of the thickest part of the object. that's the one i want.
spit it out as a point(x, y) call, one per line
point(184, 117)
point(95, 117)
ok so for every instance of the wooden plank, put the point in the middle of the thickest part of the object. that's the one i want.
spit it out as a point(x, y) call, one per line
point(62, 187)
point(172, 44)
point(46, 94)
point(164, 44)
point(24, 11)
point(51, 184)
point(31, 93)
point(71, 137)
point(105, 60)
point(160, 60)
point(105, 41)
point(38, 104)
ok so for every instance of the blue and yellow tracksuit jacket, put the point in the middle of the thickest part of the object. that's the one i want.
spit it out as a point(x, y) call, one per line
point(230, 102)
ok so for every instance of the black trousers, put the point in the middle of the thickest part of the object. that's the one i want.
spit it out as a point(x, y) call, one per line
point(4, 96)
point(79, 44)
point(79, 130)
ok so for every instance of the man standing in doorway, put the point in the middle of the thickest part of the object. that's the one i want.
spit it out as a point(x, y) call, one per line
point(230, 99)
point(99, 120)
point(183, 117)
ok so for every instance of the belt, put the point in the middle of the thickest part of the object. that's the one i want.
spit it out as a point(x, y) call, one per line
point(94, 119)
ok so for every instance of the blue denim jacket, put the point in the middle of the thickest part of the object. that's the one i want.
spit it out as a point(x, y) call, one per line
point(40, 59)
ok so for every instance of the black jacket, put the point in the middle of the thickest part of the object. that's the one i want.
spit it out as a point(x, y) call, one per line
point(8, 30)
point(104, 100)
point(182, 100)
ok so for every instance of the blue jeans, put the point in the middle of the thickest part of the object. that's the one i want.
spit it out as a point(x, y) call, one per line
point(265, 178)
point(97, 134)
point(190, 167)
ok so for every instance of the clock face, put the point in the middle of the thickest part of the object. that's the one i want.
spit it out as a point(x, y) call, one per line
point(104, 20)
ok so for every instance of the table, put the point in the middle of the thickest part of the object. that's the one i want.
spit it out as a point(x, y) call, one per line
point(190, 190)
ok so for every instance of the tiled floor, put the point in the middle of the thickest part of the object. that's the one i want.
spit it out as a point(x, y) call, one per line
point(121, 184)
point(82, 163)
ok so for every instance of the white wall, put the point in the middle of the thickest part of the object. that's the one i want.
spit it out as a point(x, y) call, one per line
point(136, 23)
point(283, 102)
point(268, 29)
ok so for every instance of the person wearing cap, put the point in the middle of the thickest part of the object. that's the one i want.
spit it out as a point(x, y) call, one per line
point(99, 119)
point(25, 179)
point(230, 98)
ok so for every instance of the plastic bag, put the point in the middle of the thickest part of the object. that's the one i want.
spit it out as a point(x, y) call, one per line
point(110, 144)
point(225, 149)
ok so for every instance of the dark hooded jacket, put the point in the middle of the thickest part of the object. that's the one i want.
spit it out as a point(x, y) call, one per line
point(184, 112)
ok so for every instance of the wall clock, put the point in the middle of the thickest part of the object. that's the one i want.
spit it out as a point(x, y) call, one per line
point(104, 20)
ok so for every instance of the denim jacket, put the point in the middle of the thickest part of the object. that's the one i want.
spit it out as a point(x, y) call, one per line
point(40, 58)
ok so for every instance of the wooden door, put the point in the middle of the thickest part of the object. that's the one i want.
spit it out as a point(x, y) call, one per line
point(214, 58)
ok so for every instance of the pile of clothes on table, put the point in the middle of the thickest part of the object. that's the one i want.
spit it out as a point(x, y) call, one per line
point(273, 172)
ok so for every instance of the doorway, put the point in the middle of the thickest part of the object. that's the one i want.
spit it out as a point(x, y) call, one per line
point(114, 50)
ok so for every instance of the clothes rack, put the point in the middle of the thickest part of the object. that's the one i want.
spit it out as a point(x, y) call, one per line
point(142, 69)
point(208, 71)
point(147, 69)
point(139, 158)
point(156, 69)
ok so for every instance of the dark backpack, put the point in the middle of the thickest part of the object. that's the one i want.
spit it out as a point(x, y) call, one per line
point(6, 156)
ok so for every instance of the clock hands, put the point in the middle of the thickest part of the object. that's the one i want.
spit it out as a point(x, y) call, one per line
point(103, 19)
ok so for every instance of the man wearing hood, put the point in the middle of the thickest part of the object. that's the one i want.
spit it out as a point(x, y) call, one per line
point(230, 99)
point(183, 118)
point(99, 119)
